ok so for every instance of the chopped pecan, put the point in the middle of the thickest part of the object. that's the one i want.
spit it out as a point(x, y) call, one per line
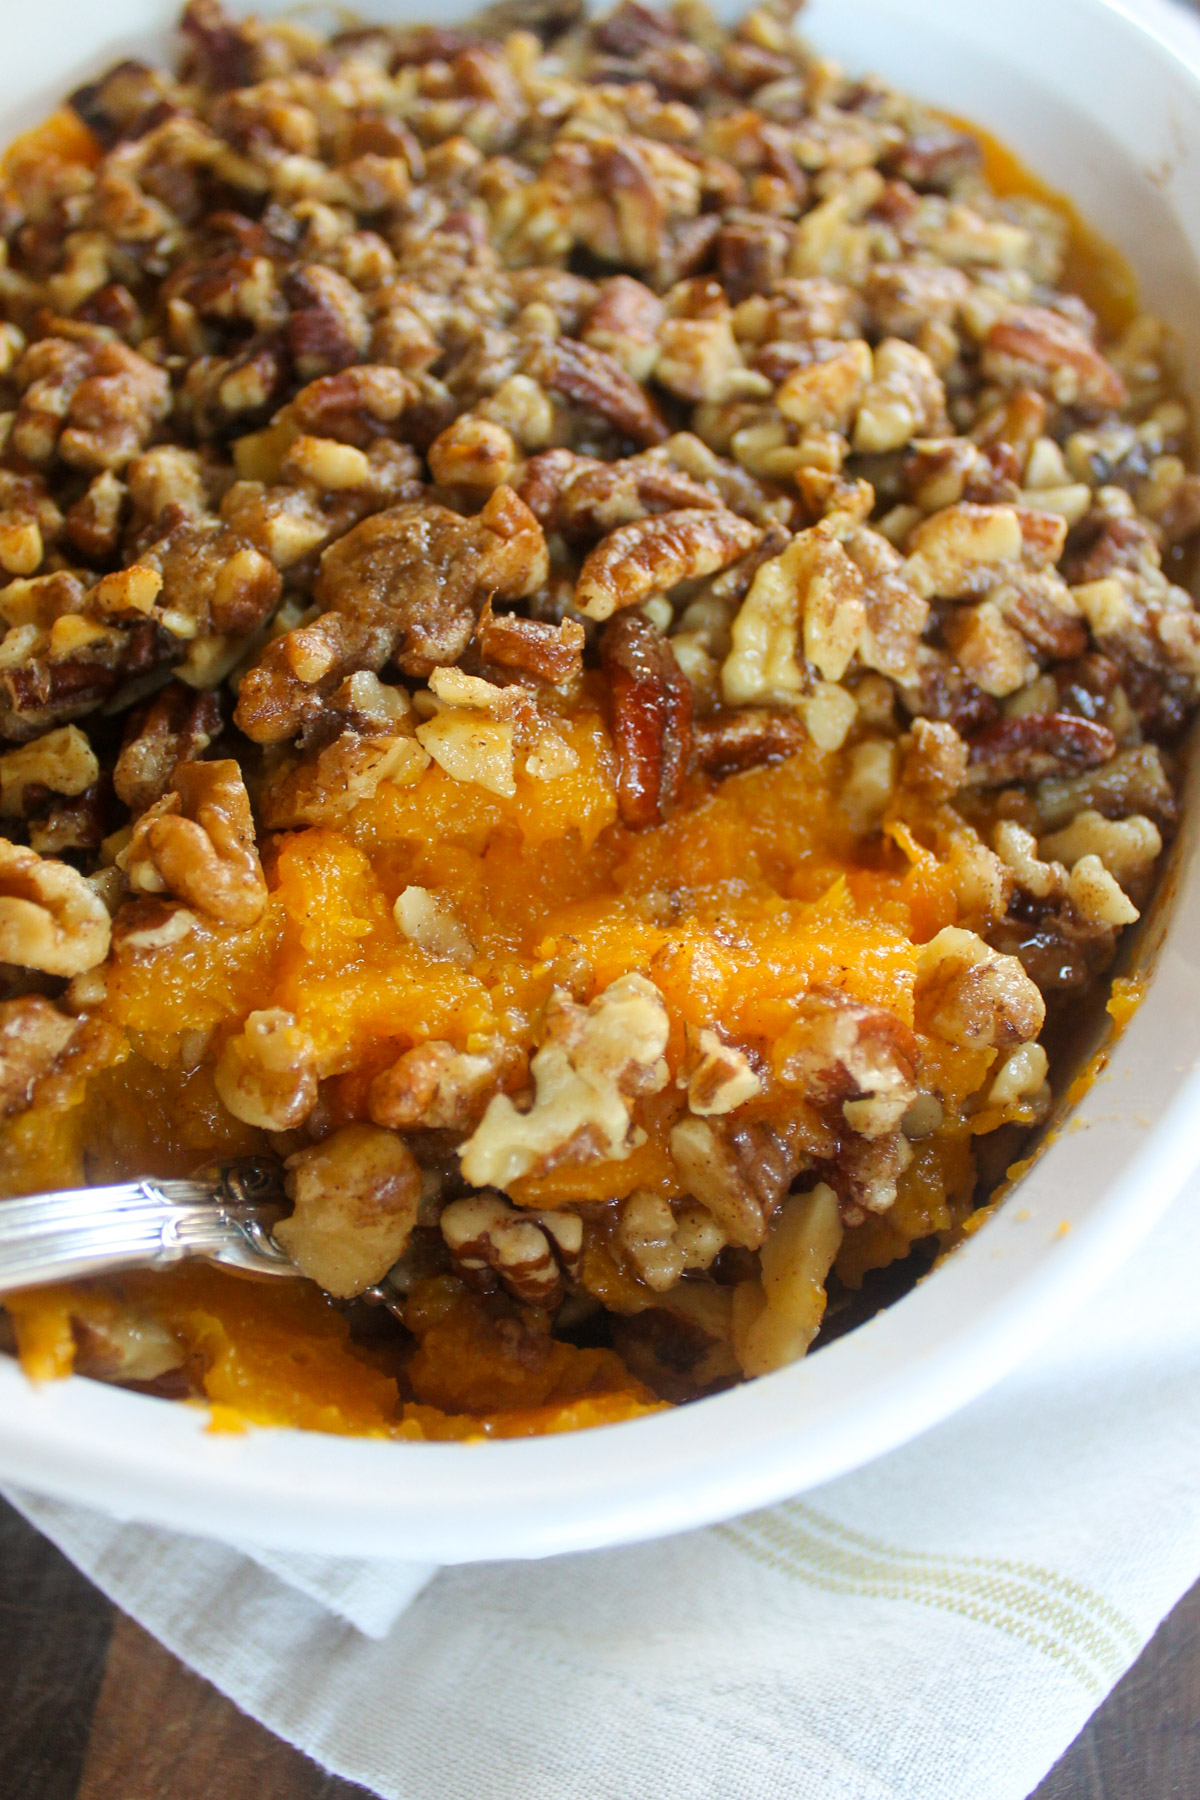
point(651, 702)
point(178, 726)
point(356, 405)
point(50, 918)
point(551, 652)
point(739, 1174)
point(327, 327)
point(936, 761)
point(753, 737)
point(407, 583)
point(489, 1239)
point(213, 579)
point(355, 1199)
point(197, 842)
point(1035, 746)
point(652, 556)
point(593, 379)
point(624, 325)
point(1030, 346)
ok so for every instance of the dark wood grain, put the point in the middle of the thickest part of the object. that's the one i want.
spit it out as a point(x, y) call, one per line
point(92, 1708)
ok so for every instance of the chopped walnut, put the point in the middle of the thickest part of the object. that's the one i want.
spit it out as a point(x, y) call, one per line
point(62, 762)
point(529, 1253)
point(355, 1199)
point(33, 1036)
point(813, 592)
point(436, 1087)
point(266, 1076)
point(1128, 848)
point(936, 760)
point(1097, 896)
point(473, 455)
point(722, 1078)
point(856, 1058)
point(50, 918)
point(93, 403)
point(777, 1316)
point(969, 994)
point(903, 399)
point(429, 924)
point(345, 773)
point(197, 842)
point(592, 1060)
point(665, 1242)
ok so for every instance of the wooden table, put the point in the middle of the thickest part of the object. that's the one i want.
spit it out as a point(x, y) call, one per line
point(91, 1708)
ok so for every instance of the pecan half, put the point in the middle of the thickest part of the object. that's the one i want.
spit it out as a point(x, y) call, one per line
point(651, 719)
point(593, 379)
point(753, 737)
point(653, 555)
point(551, 652)
point(1033, 747)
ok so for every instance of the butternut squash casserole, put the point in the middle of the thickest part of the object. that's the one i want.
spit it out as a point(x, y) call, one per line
point(592, 641)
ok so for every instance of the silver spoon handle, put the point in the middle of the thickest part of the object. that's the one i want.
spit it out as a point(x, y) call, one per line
point(149, 1224)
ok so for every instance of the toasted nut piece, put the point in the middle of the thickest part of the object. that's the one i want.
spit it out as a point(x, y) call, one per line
point(473, 454)
point(62, 762)
point(267, 1075)
point(936, 761)
point(1032, 747)
point(1097, 896)
point(856, 1058)
point(355, 1198)
point(529, 1252)
point(198, 843)
point(1018, 850)
point(33, 1035)
point(827, 392)
point(776, 1318)
point(713, 1174)
point(969, 994)
point(989, 650)
point(1128, 848)
point(664, 1242)
point(178, 726)
point(954, 550)
point(436, 1087)
point(749, 739)
point(651, 701)
point(1022, 1073)
point(813, 590)
point(1030, 346)
point(904, 399)
point(592, 1059)
point(551, 652)
point(50, 918)
point(425, 921)
point(654, 555)
point(722, 1079)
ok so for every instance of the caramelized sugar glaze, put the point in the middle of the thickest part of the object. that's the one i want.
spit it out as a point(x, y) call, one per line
point(593, 646)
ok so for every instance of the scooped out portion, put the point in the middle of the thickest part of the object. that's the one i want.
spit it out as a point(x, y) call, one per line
point(593, 649)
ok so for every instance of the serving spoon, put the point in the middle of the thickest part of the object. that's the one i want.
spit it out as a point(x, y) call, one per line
point(224, 1215)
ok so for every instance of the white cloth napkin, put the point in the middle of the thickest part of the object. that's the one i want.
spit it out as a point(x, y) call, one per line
point(939, 1625)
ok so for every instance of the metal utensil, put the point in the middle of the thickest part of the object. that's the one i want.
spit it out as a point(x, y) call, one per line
point(225, 1214)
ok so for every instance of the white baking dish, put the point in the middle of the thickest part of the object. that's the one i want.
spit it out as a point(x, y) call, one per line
point(1101, 99)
